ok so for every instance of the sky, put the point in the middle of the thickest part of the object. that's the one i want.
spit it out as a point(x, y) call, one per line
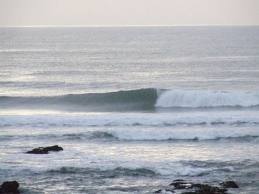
point(128, 12)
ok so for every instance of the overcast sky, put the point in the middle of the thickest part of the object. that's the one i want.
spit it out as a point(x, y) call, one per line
point(128, 12)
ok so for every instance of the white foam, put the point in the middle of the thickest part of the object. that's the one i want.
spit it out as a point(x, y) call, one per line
point(204, 98)
point(227, 118)
point(182, 133)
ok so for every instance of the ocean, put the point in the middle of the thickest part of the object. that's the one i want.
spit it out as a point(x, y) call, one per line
point(133, 107)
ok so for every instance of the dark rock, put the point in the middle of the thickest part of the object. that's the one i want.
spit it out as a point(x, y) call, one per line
point(196, 188)
point(229, 184)
point(39, 150)
point(207, 189)
point(204, 189)
point(188, 187)
point(179, 180)
point(158, 191)
point(10, 187)
point(181, 184)
point(45, 150)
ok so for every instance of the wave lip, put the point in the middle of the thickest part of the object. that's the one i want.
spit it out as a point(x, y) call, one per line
point(206, 98)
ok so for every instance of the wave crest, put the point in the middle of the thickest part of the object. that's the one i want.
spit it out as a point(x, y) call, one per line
point(203, 98)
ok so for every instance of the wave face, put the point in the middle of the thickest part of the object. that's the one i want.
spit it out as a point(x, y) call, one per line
point(136, 100)
point(199, 98)
point(142, 99)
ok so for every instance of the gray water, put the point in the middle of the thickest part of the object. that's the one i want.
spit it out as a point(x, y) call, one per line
point(134, 108)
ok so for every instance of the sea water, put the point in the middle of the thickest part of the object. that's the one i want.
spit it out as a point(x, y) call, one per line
point(133, 107)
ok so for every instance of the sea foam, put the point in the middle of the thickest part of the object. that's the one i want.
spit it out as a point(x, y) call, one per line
point(206, 98)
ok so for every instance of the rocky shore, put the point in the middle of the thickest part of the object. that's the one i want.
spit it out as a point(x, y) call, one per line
point(178, 186)
point(11, 187)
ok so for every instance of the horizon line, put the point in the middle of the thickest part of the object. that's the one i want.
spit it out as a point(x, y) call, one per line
point(114, 26)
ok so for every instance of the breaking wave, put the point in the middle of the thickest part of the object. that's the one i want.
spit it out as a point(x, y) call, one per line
point(141, 99)
point(198, 98)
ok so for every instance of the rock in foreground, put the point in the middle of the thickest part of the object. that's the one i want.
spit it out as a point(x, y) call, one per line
point(197, 188)
point(10, 187)
point(45, 150)
point(229, 184)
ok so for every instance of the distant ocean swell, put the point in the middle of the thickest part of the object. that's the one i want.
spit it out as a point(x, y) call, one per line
point(176, 119)
point(142, 99)
point(169, 135)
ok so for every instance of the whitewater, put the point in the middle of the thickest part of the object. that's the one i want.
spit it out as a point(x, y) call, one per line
point(142, 99)
point(134, 108)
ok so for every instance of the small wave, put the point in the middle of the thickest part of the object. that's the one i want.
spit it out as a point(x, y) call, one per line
point(217, 164)
point(143, 136)
point(110, 173)
point(102, 135)
point(96, 135)
point(245, 138)
point(220, 118)
point(215, 167)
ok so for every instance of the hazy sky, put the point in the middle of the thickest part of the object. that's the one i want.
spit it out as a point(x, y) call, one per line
point(128, 12)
